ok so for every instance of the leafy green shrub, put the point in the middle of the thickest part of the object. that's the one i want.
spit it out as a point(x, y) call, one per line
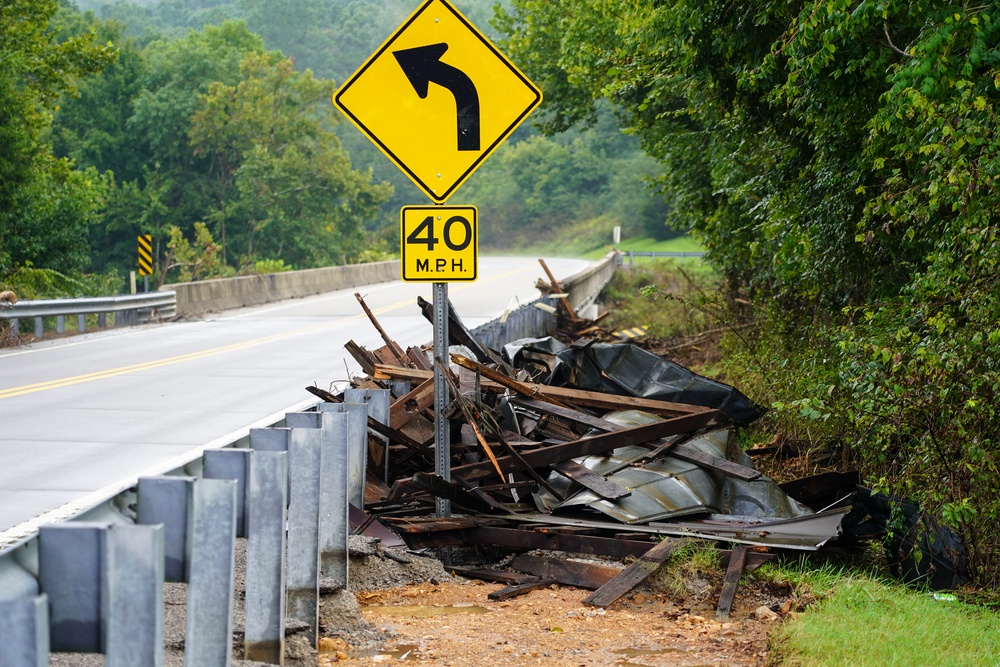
point(28, 282)
point(679, 301)
point(265, 266)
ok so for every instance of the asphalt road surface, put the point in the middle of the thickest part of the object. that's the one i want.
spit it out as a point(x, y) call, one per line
point(83, 416)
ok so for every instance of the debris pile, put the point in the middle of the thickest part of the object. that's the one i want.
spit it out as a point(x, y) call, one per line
point(585, 447)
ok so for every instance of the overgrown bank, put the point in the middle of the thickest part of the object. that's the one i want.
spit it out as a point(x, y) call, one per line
point(807, 375)
point(839, 161)
point(859, 614)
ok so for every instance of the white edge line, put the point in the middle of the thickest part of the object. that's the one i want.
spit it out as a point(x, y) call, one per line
point(29, 529)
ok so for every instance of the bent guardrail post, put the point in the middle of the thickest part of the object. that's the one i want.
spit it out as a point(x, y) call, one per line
point(377, 401)
point(232, 464)
point(167, 500)
point(212, 535)
point(265, 577)
point(133, 596)
point(357, 446)
point(304, 467)
point(70, 565)
point(24, 632)
point(269, 439)
point(334, 522)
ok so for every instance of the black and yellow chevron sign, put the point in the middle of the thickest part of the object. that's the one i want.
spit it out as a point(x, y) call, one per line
point(145, 254)
point(634, 332)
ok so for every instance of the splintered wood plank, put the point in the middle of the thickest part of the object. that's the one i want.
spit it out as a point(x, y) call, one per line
point(566, 413)
point(418, 359)
point(412, 404)
point(558, 288)
point(365, 359)
point(566, 572)
point(634, 574)
point(520, 589)
point(726, 467)
point(589, 479)
point(581, 397)
point(432, 524)
point(730, 582)
point(496, 576)
point(496, 376)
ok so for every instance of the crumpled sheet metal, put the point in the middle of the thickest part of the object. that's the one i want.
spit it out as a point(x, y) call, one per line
point(668, 487)
point(807, 533)
point(659, 490)
point(622, 368)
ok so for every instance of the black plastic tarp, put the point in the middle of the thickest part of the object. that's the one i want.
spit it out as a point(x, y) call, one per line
point(629, 370)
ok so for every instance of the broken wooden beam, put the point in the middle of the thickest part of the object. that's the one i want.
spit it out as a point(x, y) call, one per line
point(368, 361)
point(412, 404)
point(547, 408)
point(564, 301)
point(564, 395)
point(396, 350)
point(494, 576)
point(634, 574)
point(729, 584)
point(591, 480)
point(497, 377)
point(520, 589)
point(725, 466)
point(567, 572)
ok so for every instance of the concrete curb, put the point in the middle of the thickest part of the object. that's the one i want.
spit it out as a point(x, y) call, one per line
point(204, 296)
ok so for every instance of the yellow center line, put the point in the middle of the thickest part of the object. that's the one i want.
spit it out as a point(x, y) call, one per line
point(211, 352)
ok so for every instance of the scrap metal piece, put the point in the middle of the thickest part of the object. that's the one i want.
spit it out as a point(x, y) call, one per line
point(805, 533)
point(599, 444)
point(673, 486)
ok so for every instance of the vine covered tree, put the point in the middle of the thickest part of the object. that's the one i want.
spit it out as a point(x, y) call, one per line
point(839, 159)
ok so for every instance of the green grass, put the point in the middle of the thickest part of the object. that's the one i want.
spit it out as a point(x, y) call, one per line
point(645, 244)
point(863, 622)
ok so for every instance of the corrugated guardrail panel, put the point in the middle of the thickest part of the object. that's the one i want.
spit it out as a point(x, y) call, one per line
point(585, 286)
point(531, 322)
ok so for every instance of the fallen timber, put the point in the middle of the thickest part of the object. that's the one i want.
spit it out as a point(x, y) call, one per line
point(543, 467)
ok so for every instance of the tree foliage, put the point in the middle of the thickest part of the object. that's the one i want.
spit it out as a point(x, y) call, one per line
point(37, 66)
point(840, 161)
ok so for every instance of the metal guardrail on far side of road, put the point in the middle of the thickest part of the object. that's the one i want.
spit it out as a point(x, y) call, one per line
point(128, 309)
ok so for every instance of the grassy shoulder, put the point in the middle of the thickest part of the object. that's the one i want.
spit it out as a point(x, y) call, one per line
point(863, 620)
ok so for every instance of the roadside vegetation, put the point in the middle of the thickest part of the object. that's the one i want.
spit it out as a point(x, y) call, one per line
point(839, 162)
point(848, 609)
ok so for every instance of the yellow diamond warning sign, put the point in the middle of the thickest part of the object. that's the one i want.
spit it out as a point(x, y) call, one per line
point(439, 243)
point(437, 98)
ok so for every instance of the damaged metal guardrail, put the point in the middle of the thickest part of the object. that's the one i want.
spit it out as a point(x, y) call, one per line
point(128, 309)
point(96, 584)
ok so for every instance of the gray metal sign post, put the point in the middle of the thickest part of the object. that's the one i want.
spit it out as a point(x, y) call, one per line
point(442, 432)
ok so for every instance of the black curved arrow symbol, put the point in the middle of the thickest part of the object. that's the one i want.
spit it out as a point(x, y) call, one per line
point(422, 65)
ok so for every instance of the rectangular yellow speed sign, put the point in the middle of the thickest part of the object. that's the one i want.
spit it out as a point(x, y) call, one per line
point(439, 243)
